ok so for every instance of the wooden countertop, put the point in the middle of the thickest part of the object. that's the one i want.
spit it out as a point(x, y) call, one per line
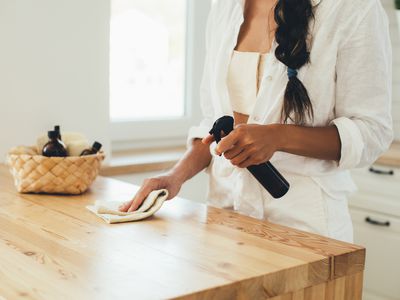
point(53, 248)
point(392, 157)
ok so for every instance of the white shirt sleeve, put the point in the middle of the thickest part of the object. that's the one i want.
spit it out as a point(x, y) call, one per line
point(206, 123)
point(363, 90)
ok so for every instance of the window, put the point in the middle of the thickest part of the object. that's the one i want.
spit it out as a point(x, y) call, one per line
point(154, 77)
point(147, 59)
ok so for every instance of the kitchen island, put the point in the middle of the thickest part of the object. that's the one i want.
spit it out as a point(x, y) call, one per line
point(53, 248)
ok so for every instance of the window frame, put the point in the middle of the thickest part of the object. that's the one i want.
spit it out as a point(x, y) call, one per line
point(152, 133)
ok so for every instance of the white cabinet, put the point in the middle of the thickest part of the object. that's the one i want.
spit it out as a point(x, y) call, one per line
point(375, 210)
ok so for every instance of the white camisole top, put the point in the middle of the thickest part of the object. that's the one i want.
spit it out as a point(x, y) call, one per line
point(244, 78)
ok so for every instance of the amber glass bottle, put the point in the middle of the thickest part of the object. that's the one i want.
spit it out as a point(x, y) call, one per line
point(54, 147)
point(93, 150)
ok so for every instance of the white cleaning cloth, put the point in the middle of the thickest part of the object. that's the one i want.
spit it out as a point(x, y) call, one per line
point(108, 210)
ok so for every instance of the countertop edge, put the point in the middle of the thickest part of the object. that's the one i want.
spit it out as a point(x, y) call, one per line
point(391, 158)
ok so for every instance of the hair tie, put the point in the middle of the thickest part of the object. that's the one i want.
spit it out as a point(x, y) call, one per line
point(291, 72)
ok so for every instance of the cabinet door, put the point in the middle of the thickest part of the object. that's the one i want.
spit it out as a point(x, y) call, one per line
point(379, 190)
point(380, 234)
point(378, 179)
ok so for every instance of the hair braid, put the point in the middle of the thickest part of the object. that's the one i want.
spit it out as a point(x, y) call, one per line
point(292, 18)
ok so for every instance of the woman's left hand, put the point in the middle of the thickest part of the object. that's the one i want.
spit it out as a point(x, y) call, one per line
point(249, 144)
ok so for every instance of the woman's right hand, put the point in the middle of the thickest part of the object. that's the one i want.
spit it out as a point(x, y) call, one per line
point(170, 182)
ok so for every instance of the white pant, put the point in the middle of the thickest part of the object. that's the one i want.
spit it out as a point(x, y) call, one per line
point(307, 207)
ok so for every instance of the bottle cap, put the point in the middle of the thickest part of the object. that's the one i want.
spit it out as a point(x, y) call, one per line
point(97, 146)
point(57, 128)
point(52, 134)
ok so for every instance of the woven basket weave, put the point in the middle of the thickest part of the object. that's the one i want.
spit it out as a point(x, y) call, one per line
point(54, 175)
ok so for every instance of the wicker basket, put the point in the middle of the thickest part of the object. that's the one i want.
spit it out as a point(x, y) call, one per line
point(35, 173)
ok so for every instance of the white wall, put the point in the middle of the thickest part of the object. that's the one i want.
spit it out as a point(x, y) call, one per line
point(53, 69)
point(395, 37)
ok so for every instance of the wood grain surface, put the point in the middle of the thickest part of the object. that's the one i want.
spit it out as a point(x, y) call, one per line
point(392, 157)
point(53, 248)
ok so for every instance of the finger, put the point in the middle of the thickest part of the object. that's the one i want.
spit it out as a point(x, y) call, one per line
point(137, 201)
point(250, 161)
point(246, 163)
point(233, 152)
point(125, 206)
point(208, 139)
point(227, 142)
point(240, 158)
point(139, 198)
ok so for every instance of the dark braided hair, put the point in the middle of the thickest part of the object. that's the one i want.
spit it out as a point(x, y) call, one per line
point(292, 18)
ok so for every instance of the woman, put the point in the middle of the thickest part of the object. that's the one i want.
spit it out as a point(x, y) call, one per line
point(309, 85)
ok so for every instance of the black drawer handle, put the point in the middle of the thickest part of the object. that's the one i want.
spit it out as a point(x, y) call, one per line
point(377, 223)
point(381, 172)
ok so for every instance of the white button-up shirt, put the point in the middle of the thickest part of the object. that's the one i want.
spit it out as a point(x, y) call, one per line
point(348, 81)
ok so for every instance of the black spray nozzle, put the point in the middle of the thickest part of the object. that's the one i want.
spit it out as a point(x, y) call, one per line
point(223, 124)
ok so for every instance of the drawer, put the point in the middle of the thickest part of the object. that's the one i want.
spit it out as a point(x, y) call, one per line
point(380, 234)
point(376, 203)
point(378, 179)
point(378, 190)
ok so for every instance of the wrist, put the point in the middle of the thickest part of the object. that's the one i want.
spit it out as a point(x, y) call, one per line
point(177, 175)
point(280, 136)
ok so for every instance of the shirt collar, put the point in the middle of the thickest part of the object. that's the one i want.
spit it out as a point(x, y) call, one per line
point(313, 2)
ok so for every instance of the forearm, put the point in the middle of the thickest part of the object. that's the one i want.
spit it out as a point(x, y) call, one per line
point(316, 142)
point(195, 159)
